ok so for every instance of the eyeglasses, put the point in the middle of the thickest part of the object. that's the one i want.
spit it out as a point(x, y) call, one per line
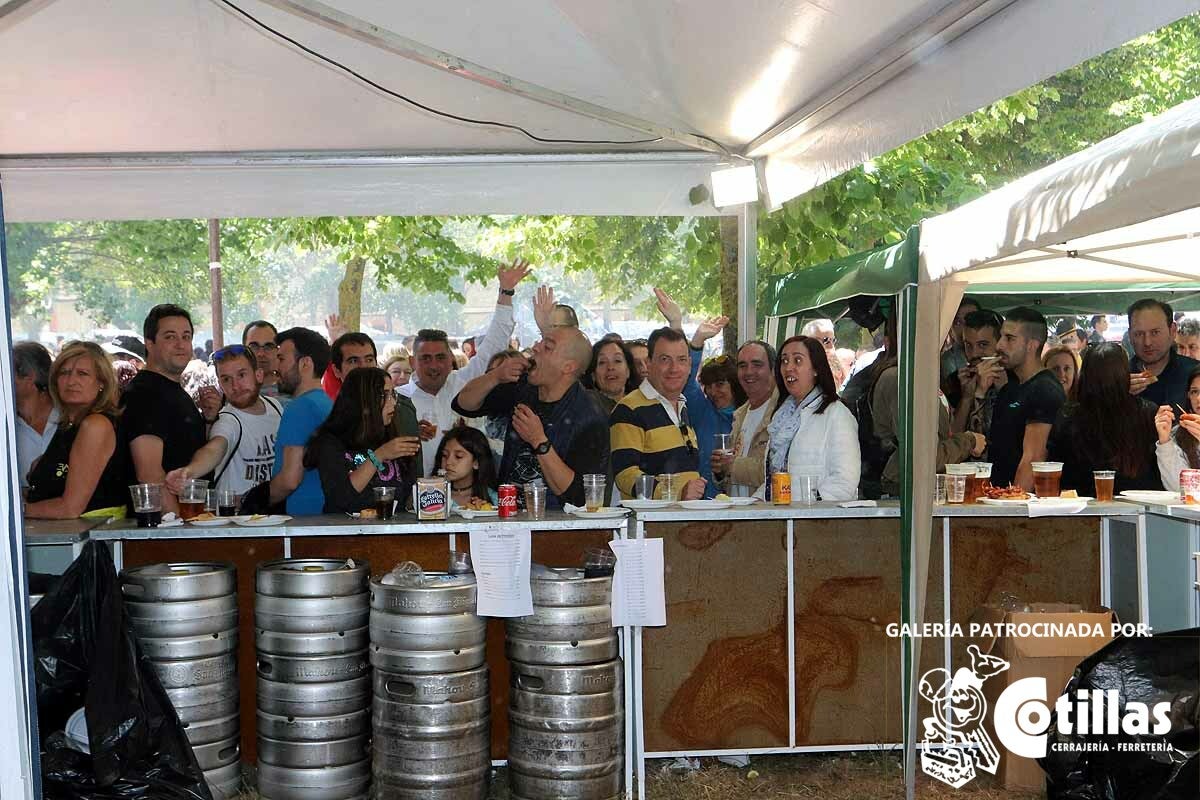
point(226, 352)
point(825, 340)
point(1193, 392)
point(256, 346)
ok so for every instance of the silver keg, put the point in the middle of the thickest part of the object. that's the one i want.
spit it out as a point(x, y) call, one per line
point(431, 628)
point(314, 691)
point(185, 615)
point(432, 735)
point(571, 621)
point(566, 726)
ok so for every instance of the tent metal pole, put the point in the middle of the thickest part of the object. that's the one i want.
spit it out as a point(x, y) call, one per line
point(747, 289)
point(214, 283)
point(20, 765)
point(907, 333)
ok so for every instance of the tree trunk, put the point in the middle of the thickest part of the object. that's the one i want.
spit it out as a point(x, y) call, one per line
point(729, 280)
point(350, 293)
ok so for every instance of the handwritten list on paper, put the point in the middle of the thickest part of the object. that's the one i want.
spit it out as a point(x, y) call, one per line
point(639, 593)
point(501, 559)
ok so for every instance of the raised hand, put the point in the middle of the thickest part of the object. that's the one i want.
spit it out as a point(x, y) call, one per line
point(511, 275)
point(335, 328)
point(543, 307)
point(670, 309)
point(708, 329)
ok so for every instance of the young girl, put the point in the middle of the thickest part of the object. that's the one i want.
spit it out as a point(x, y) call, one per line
point(466, 458)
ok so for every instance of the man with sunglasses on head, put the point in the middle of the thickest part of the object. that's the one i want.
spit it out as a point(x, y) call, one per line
point(259, 336)
point(241, 443)
point(649, 432)
point(160, 425)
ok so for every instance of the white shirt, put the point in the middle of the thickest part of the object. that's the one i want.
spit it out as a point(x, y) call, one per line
point(31, 444)
point(436, 408)
point(249, 446)
point(750, 425)
point(825, 446)
point(652, 394)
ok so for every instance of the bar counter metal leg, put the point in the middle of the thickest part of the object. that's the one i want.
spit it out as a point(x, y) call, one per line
point(639, 728)
point(790, 625)
point(1143, 576)
point(1105, 562)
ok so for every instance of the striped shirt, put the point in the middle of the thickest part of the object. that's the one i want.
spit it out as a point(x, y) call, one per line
point(646, 439)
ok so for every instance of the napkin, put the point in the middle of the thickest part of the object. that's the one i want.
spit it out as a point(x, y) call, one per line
point(859, 504)
point(1055, 509)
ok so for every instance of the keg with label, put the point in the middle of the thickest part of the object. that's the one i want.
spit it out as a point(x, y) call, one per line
point(571, 621)
point(314, 695)
point(185, 615)
point(431, 628)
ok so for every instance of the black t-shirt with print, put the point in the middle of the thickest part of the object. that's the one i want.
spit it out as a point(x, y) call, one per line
point(1017, 404)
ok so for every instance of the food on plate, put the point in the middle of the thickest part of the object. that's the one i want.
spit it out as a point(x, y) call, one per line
point(205, 517)
point(1005, 493)
point(368, 513)
point(1069, 494)
point(256, 517)
point(479, 504)
point(722, 497)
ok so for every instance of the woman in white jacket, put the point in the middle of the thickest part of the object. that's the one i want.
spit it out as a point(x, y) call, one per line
point(1179, 448)
point(812, 433)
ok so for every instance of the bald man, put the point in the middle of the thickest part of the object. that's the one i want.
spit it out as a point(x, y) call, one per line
point(558, 431)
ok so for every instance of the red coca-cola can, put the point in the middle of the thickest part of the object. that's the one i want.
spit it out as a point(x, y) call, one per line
point(508, 499)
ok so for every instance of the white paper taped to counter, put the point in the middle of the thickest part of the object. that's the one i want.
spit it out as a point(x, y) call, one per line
point(501, 558)
point(639, 594)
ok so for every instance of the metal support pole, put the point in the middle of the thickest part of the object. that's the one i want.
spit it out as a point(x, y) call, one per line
point(214, 283)
point(747, 284)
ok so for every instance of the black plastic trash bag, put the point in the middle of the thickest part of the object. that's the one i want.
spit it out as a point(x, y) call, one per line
point(1164, 668)
point(86, 654)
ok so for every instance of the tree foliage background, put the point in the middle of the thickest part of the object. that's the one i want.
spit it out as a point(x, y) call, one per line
point(117, 269)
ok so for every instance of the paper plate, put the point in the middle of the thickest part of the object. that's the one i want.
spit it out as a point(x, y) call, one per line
point(646, 505)
point(988, 501)
point(603, 513)
point(1046, 501)
point(263, 522)
point(1149, 496)
point(471, 513)
point(741, 501)
point(705, 505)
point(210, 523)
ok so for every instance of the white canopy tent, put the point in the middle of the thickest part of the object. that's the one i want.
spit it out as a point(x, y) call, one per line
point(121, 109)
point(1120, 213)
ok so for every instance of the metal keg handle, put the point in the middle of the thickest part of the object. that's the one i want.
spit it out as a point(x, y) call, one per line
point(133, 589)
point(228, 752)
point(530, 683)
point(264, 666)
point(400, 688)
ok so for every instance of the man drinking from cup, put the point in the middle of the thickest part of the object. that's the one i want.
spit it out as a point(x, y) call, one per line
point(557, 431)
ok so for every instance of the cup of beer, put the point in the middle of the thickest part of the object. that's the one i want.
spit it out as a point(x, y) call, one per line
point(966, 471)
point(593, 491)
point(1047, 478)
point(1105, 481)
point(192, 498)
point(671, 486)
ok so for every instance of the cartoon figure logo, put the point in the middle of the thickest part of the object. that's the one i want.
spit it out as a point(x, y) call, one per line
point(955, 741)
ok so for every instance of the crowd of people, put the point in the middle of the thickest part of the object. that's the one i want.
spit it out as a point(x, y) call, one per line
point(289, 420)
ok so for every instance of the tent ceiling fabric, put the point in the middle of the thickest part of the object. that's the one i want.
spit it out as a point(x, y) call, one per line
point(124, 77)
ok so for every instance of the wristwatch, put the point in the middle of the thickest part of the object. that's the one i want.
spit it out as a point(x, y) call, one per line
point(542, 448)
point(508, 292)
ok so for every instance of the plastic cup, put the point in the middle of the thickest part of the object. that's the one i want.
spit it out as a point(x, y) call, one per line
point(193, 498)
point(643, 487)
point(670, 486)
point(147, 504)
point(385, 501)
point(804, 490)
point(956, 487)
point(979, 482)
point(939, 489)
point(593, 491)
point(1047, 478)
point(598, 562)
point(535, 500)
point(227, 503)
point(1105, 481)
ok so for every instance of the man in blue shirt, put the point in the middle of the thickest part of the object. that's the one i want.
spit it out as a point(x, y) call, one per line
point(303, 356)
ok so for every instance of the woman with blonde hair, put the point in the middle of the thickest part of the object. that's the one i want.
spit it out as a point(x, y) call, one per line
point(1065, 364)
point(81, 470)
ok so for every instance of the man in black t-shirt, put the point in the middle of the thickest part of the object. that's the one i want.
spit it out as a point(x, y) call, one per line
point(161, 428)
point(558, 431)
point(1027, 405)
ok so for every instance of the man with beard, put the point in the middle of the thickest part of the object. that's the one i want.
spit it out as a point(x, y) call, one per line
point(557, 431)
point(241, 444)
point(1026, 406)
point(302, 358)
point(259, 336)
point(160, 426)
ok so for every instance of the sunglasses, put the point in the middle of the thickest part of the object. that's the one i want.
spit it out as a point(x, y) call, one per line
point(683, 429)
point(225, 352)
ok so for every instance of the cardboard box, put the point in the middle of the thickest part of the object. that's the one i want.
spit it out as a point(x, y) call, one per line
point(1052, 658)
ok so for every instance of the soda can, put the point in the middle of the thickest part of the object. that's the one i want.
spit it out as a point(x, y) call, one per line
point(508, 499)
point(1189, 485)
point(781, 488)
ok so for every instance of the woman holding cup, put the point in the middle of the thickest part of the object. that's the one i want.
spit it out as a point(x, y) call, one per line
point(813, 434)
point(352, 451)
point(1103, 429)
point(80, 470)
